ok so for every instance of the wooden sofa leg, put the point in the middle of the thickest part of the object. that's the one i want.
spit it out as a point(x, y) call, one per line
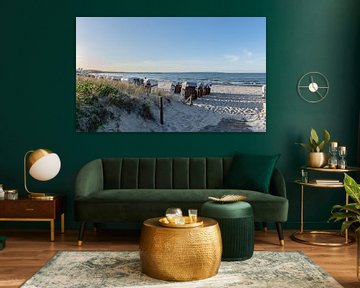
point(280, 233)
point(81, 233)
point(265, 227)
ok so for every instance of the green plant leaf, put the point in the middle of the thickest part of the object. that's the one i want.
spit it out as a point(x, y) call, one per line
point(321, 146)
point(326, 136)
point(337, 216)
point(306, 146)
point(314, 136)
point(352, 188)
point(350, 207)
point(350, 213)
point(312, 144)
point(346, 225)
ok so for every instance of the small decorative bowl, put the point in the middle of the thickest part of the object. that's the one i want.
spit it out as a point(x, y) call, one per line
point(228, 198)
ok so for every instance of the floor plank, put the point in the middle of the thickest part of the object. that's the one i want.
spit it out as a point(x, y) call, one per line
point(28, 250)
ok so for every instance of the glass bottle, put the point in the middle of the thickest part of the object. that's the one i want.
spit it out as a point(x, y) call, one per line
point(2, 192)
point(333, 162)
point(342, 154)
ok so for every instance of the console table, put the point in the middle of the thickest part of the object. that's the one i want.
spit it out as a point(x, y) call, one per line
point(297, 235)
point(27, 209)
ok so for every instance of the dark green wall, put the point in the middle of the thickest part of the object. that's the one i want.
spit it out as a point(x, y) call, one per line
point(37, 95)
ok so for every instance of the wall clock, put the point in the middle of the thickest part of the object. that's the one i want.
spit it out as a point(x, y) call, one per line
point(313, 87)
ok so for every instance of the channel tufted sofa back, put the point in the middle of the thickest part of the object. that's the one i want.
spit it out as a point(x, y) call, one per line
point(164, 173)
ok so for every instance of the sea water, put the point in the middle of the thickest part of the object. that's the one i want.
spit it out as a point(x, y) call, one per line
point(243, 79)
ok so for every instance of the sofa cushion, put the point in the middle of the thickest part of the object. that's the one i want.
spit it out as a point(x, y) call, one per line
point(266, 207)
point(251, 172)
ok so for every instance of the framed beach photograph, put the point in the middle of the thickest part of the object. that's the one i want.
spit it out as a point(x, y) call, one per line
point(171, 74)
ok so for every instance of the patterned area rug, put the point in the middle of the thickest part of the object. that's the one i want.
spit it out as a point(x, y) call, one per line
point(122, 269)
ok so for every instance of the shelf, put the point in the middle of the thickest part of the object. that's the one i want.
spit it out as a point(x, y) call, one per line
point(313, 184)
point(348, 169)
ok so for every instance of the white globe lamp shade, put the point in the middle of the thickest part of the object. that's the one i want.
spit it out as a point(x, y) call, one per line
point(44, 164)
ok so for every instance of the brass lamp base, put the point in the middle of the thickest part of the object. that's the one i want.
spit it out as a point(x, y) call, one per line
point(41, 196)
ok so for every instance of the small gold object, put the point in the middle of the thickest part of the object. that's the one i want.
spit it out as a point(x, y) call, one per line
point(188, 223)
point(79, 243)
point(228, 198)
point(282, 242)
point(317, 159)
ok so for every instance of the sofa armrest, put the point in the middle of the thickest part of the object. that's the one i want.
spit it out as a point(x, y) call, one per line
point(89, 179)
point(277, 184)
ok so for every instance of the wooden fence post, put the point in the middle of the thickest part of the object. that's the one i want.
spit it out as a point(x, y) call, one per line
point(161, 111)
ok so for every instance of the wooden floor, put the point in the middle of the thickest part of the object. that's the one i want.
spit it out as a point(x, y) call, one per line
point(28, 250)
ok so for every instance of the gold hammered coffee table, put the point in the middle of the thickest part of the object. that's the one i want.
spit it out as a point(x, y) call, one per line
point(180, 254)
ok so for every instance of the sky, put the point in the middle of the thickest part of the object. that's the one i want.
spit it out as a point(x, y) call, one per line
point(171, 44)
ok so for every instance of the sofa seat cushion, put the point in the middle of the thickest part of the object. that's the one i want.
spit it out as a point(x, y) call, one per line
point(266, 207)
point(166, 195)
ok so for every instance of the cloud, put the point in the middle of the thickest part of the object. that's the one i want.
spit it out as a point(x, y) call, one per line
point(247, 52)
point(232, 58)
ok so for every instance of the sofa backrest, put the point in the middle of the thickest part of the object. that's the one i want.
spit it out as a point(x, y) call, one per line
point(164, 173)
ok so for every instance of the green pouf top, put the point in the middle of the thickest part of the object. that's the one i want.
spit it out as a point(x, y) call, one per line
point(229, 210)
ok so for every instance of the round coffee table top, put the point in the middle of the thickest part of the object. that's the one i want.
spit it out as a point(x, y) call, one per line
point(154, 223)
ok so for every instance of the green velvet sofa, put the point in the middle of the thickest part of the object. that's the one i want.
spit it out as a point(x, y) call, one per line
point(130, 190)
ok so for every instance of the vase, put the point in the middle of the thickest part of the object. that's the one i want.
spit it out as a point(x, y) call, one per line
point(317, 159)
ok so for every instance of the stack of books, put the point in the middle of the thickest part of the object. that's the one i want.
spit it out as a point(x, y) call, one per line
point(327, 181)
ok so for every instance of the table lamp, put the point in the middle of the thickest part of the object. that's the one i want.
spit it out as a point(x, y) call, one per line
point(43, 165)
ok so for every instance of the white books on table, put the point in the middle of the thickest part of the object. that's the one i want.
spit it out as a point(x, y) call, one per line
point(327, 181)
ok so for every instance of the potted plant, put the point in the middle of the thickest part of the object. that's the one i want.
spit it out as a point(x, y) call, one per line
point(350, 214)
point(317, 157)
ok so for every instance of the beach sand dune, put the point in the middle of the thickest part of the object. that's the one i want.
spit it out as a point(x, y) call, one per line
point(226, 109)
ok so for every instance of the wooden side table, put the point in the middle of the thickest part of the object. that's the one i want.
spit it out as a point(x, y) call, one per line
point(26, 209)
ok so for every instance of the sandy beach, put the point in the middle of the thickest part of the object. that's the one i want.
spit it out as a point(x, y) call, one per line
point(226, 109)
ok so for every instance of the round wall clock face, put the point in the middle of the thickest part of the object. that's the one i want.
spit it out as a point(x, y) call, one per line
point(313, 87)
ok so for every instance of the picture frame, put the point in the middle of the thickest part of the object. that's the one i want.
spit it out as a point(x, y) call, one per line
point(171, 74)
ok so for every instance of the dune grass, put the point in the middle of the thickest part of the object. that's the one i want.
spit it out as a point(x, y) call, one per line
point(94, 96)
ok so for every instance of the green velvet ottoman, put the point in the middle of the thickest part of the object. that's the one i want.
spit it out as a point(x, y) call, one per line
point(236, 221)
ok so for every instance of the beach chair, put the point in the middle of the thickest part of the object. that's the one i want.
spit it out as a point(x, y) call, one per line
point(199, 90)
point(188, 89)
point(177, 88)
point(206, 89)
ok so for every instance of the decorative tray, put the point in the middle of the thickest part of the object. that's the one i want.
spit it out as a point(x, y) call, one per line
point(228, 198)
point(165, 222)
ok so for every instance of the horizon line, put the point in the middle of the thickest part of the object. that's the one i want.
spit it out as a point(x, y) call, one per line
point(107, 71)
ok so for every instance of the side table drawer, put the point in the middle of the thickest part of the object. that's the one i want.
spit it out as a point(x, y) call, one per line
point(30, 209)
